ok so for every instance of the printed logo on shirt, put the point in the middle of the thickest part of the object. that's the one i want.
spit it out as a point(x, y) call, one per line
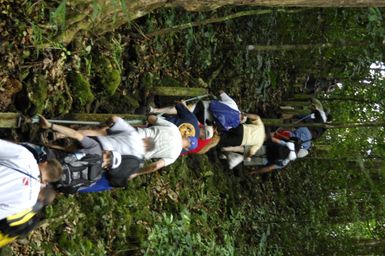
point(25, 181)
point(187, 129)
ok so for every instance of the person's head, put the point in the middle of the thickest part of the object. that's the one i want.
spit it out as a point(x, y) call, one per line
point(111, 159)
point(283, 153)
point(149, 144)
point(50, 171)
point(316, 132)
point(275, 152)
point(242, 118)
point(189, 143)
point(206, 132)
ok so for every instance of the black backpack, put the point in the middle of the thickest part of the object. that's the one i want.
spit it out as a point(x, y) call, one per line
point(79, 173)
point(118, 177)
point(76, 173)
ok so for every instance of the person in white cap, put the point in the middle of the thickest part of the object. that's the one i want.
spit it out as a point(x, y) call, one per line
point(275, 154)
point(110, 158)
point(85, 166)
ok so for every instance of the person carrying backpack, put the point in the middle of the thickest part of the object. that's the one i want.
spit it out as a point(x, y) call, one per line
point(250, 134)
point(302, 133)
point(275, 154)
point(162, 140)
point(223, 112)
point(85, 166)
point(22, 177)
point(22, 180)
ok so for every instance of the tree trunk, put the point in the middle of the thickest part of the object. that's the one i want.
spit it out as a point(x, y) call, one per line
point(102, 16)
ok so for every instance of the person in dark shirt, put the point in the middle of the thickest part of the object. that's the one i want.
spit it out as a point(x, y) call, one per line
point(185, 120)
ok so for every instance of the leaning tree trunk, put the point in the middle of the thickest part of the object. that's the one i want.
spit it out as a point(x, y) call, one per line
point(108, 15)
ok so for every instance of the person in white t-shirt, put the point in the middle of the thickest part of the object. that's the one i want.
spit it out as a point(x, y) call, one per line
point(168, 143)
point(21, 177)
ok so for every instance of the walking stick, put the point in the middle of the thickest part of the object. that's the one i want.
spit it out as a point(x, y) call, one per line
point(35, 119)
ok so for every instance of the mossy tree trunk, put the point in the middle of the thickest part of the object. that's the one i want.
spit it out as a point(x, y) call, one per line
point(102, 16)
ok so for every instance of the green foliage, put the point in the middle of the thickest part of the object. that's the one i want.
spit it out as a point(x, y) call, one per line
point(81, 87)
point(58, 17)
point(174, 236)
point(37, 36)
point(38, 92)
point(107, 76)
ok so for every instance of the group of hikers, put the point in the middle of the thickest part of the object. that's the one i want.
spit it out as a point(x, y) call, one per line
point(109, 156)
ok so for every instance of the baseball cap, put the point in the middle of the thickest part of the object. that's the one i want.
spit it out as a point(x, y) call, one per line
point(116, 159)
point(193, 143)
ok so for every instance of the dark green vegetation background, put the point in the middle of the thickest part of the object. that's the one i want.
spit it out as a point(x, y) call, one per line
point(330, 203)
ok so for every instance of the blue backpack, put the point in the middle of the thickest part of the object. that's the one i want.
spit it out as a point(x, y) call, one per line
point(224, 116)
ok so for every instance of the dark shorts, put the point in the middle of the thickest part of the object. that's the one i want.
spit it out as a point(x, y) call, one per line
point(232, 137)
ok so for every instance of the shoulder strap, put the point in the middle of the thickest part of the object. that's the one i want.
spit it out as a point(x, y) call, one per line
point(20, 171)
point(41, 153)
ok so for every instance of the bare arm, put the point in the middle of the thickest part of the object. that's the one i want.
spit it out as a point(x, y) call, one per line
point(252, 116)
point(265, 169)
point(101, 131)
point(153, 167)
point(69, 132)
point(275, 140)
point(94, 133)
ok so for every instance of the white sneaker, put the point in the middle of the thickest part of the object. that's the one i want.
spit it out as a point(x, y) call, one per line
point(234, 159)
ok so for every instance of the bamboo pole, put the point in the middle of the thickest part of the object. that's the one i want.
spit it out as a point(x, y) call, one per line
point(179, 91)
point(135, 119)
point(9, 120)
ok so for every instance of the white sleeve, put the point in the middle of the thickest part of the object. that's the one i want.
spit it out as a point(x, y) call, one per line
point(121, 126)
point(168, 160)
point(163, 122)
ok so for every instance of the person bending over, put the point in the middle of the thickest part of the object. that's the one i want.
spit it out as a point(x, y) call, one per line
point(22, 177)
point(169, 143)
